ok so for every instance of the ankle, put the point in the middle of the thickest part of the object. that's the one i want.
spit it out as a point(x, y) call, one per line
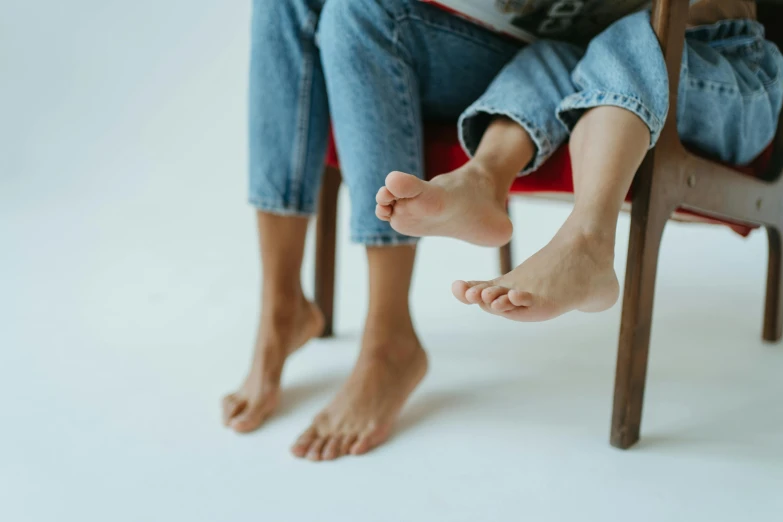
point(268, 364)
point(283, 312)
point(277, 295)
point(396, 348)
point(493, 178)
point(599, 243)
point(597, 226)
point(389, 324)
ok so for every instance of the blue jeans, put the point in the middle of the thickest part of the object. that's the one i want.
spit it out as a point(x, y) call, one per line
point(729, 98)
point(389, 64)
point(379, 68)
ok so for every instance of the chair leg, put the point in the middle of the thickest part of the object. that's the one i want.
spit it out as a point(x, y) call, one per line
point(325, 247)
point(650, 211)
point(506, 260)
point(773, 309)
point(635, 329)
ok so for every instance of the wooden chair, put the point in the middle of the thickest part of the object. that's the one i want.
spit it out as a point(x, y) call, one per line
point(669, 179)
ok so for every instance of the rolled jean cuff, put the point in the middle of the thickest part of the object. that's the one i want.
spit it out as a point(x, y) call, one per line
point(475, 120)
point(281, 209)
point(574, 106)
point(383, 240)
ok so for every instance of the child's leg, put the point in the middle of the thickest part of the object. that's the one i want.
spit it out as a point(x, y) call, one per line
point(284, 191)
point(512, 128)
point(728, 106)
point(576, 269)
point(617, 108)
point(469, 203)
point(385, 63)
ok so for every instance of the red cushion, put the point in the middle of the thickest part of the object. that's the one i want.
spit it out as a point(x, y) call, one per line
point(443, 153)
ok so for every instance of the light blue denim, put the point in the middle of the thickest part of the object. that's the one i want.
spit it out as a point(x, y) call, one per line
point(379, 67)
point(729, 99)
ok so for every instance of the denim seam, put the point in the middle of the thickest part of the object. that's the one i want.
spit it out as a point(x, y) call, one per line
point(579, 82)
point(406, 90)
point(381, 240)
point(700, 84)
point(280, 208)
point(731, 91)
point(544, 147)
point(738, 45)
point(598, 98)
point(730, 88)
point(754, 32)
point(299, 159)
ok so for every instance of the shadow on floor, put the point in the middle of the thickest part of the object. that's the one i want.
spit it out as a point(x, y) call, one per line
point(295, 395)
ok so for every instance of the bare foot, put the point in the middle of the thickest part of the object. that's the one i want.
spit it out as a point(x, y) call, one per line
point(464, 204)
point(280, 333)
point(363, 412)
point(575, 271)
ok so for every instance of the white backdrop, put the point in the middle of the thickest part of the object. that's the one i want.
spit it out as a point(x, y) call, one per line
point(128, 295)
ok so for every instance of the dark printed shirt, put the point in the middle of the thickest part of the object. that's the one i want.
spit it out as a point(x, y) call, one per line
point(580, 20)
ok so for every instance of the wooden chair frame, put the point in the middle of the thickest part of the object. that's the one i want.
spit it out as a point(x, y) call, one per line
point(670, 177)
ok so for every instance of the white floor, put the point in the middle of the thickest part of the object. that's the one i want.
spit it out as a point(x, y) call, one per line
point(129, 283)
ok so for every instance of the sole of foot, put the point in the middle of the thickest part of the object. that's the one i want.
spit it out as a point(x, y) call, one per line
point(278, 337)
point(462, 204)
point(363, 412)
point(573, 272)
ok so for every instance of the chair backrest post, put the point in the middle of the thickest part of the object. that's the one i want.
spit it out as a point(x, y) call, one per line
point(771, 16)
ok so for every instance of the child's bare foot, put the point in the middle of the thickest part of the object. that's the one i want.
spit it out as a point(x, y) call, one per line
point(575, 271)
point(465, 204)
point(280, 332)
point(362, 414)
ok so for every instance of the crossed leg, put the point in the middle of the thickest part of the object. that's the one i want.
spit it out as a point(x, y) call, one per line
point(468, 203)
point(575, 270)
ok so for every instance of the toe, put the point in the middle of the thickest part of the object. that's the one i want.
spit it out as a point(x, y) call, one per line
point(316, 448)
point(459, 288)
point(401, 185)
point(384, 212)
point(251, 418)
point(331, 449)
point(232, 406)
point(491, 293)
point(521, 298)
point(473, 294)
point(361, 446)
point(347, 443)
point(502, 304)
point(384, 197)
point(303, 443)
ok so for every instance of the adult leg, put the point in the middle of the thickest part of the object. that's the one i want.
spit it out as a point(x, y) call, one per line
point(288, 320)
point(390, 366)
point(386, 63)
point(288, 130)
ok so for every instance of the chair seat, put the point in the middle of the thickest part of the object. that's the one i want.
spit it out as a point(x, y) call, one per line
point(553, 180)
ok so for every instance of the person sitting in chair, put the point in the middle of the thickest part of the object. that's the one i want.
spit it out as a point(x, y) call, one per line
point(609, 100)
